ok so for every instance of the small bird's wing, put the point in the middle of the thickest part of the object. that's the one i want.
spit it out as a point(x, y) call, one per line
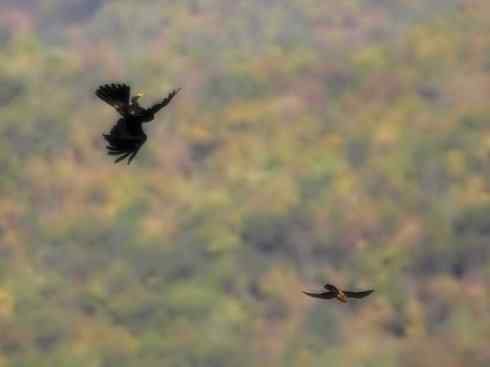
point(117, 95)
point(360, 294)
point(330, 287)
point(122, 143)
point(323, 295)
point(158, 106)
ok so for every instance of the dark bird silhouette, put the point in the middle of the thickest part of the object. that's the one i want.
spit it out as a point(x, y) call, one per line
point(127, 136)
point(334, 292)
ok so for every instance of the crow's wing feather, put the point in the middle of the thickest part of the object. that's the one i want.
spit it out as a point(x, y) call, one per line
point(158, 106)
point(116, 95)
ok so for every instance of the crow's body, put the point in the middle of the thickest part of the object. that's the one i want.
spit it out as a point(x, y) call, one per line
point(342, 296)
point(127, 136)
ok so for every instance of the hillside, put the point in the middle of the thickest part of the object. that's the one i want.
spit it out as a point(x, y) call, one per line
point(311, 141)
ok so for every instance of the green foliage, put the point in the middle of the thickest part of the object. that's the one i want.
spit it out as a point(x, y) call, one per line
point(312, 141)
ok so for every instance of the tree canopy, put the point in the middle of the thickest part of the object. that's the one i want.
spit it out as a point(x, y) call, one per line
point(313, 141)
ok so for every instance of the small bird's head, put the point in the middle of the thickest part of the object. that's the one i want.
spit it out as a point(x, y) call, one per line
point(342, 297)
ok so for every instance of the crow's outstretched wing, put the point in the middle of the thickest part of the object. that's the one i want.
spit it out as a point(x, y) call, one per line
point(323, 295)
point(122, 142)
point(360, 294)
point(158, 106)
point(117, 95)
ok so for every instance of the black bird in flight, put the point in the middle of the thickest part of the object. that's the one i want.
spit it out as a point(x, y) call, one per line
point(334, 292)
point(127, 136)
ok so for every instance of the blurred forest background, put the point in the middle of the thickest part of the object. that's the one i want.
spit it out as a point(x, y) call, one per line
point(314, 140)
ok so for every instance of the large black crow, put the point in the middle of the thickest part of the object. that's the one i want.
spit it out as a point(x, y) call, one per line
point(127, 136)
point(334, 292)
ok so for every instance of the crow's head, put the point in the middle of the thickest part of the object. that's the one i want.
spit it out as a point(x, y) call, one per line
point(136, 97)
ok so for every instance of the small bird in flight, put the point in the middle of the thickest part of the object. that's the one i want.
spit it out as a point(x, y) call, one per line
point(127, 136)
point(334, 292)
